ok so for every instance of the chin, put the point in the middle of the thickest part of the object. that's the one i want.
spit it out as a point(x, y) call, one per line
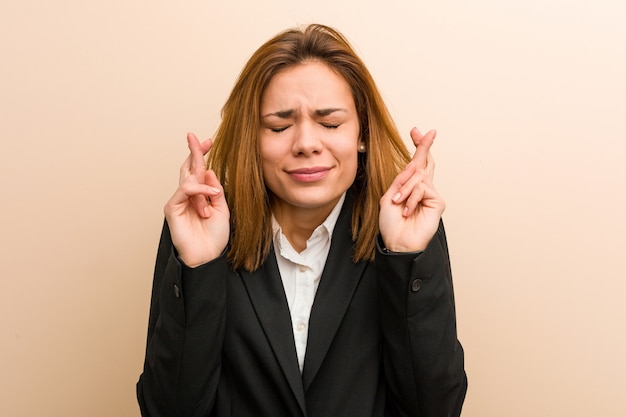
point(312, 200)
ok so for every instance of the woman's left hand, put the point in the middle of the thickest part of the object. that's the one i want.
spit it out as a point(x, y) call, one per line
point(411, 209)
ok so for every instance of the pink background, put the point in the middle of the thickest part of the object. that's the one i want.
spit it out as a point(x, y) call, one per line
point(529, 101)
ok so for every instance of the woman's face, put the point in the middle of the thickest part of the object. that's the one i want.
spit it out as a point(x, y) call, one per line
point(309, 137)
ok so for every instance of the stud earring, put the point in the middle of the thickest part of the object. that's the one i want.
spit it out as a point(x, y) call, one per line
point(362, 148)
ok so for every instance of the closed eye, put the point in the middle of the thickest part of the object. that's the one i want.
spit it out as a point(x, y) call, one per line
point(329, 126)
point(279, 129)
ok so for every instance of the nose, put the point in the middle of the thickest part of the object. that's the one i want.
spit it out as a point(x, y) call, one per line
point(307, 140)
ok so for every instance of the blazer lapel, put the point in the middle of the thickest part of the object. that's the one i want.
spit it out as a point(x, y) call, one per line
point(337, 285)
point(266, 292)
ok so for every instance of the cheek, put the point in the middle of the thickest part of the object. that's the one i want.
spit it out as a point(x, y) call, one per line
point(349, 159)
point(267, 152)
point(270, 163)
point(354, 163)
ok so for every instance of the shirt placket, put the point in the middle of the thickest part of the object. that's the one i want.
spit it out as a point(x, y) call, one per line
point(302, 308)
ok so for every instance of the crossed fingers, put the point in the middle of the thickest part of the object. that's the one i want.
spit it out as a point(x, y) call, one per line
point(195, 164)
point(416, 179)
point(195, 178)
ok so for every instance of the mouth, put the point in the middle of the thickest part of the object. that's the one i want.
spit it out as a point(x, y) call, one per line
point(308, 174)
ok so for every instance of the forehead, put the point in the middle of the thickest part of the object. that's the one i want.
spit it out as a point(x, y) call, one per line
point(314, 82)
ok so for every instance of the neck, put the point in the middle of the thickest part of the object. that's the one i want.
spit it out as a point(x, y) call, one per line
point(298, 223)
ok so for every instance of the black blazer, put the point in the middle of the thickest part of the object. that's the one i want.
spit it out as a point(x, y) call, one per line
point(382, 338)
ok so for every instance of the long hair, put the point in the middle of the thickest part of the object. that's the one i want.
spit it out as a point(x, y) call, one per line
point(235, 154)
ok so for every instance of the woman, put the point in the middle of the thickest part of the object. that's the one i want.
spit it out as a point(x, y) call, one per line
point(304, 271)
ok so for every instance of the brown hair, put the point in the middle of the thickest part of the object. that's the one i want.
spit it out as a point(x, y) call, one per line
point(235, 153)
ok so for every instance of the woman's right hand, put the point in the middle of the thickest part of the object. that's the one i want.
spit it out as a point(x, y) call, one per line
point(197, 213)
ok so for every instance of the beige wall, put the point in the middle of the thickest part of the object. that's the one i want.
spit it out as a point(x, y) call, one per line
point(529, 100)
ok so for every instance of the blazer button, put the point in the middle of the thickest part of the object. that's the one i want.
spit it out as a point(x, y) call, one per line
point(176, 291)
point(416, 285)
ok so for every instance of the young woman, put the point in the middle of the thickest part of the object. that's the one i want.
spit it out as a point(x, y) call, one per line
point(304, 270)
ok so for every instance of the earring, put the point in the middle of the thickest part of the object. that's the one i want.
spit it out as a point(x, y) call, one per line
point(362, 148)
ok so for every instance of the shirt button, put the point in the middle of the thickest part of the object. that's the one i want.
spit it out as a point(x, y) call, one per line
point(302, 268)
point(300, 326)
point(416, 285)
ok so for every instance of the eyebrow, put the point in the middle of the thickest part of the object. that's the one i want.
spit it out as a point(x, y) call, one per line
point(286, 114)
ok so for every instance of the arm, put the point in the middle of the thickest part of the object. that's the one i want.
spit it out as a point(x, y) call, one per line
point(187, 311)
point(185, 336)
point(423, 359)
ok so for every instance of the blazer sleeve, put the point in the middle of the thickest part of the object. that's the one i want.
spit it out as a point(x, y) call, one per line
point(424, 361)
point(185, 336)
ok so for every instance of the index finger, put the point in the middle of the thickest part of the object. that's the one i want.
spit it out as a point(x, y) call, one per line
point(422, 145)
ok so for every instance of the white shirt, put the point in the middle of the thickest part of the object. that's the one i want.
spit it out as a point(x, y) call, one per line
point(301, 273)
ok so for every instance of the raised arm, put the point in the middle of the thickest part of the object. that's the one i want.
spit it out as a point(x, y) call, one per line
point(424, 361)
point(188, 306)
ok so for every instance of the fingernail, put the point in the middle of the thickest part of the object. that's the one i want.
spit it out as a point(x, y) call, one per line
point(405, 211)
point(214, 190)
point(206, 212)
point(396, 197)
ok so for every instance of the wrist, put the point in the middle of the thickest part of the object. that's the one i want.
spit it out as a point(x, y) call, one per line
point(397, 249)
